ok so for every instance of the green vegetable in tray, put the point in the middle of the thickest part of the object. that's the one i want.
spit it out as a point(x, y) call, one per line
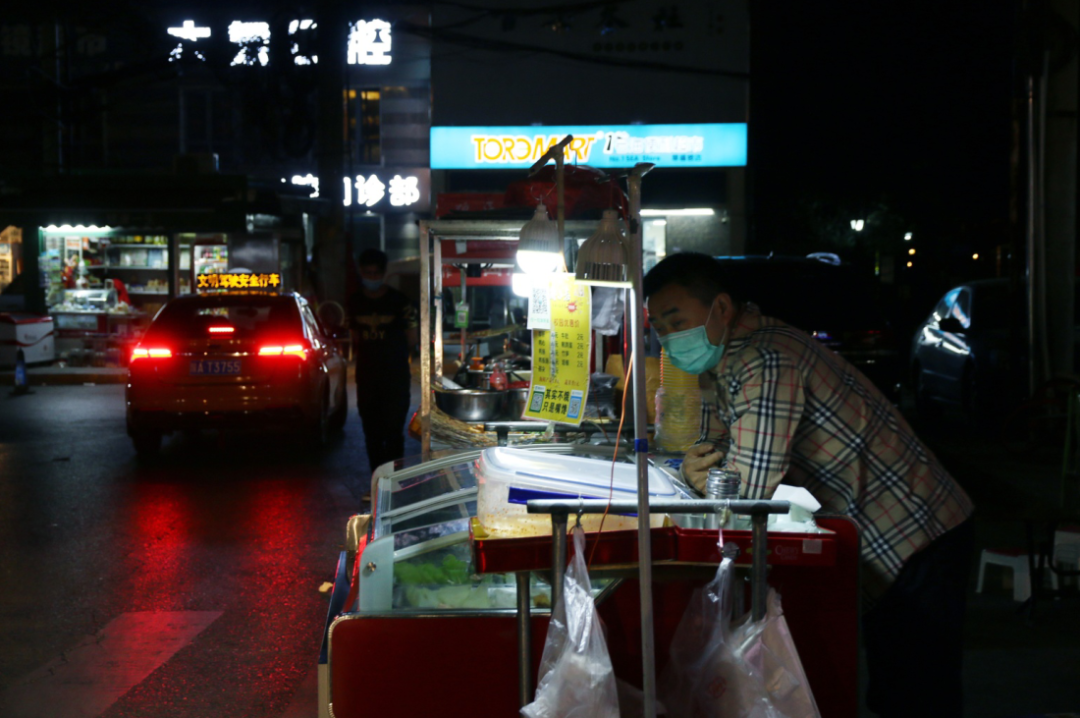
point(450, 571)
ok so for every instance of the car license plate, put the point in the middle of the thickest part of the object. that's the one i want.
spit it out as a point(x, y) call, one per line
point(215, 367)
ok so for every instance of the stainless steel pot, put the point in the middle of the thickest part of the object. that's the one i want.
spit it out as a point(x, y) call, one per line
point(515, 403)
point(471, 404)
point(479, 379)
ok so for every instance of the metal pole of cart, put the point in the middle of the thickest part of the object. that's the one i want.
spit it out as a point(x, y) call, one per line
point(437, 263)
point(425, 342)
point(524, 635)
point(641, 440)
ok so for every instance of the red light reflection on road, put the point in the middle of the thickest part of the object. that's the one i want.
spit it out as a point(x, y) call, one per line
point(161, 535)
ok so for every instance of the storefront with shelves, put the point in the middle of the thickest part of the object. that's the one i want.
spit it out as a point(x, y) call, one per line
point(104, 268)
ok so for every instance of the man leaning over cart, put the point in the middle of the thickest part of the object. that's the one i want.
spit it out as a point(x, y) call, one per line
point(782, 407)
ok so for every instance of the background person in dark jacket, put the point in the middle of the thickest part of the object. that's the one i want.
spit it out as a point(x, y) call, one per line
point(385, 329)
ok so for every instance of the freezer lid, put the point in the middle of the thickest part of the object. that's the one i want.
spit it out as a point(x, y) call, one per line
point(567, 475)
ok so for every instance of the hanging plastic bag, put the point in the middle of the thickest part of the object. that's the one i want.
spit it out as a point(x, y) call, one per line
point(768, 650)
point(576, 677)
point(752, 671)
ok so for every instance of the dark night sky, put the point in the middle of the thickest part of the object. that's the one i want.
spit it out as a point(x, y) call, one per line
point(909, 101)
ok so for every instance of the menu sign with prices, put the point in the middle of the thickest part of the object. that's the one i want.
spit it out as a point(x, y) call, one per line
point(560, 355)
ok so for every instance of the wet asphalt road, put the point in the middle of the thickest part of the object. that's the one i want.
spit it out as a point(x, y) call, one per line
point(248, 526)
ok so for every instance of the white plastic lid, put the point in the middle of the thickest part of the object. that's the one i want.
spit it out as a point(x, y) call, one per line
point(533, 475)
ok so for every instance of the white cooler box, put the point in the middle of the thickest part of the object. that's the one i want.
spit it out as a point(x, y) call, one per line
point(31, 333)
point(508, 478)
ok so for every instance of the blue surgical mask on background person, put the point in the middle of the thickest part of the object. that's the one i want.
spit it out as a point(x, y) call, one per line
point(373, 285)
point(691, 350)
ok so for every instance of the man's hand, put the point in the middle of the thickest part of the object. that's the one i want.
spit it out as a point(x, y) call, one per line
point(699, 459)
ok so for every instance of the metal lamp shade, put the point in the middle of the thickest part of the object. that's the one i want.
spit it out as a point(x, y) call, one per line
point(603, 260)
point(539, 247)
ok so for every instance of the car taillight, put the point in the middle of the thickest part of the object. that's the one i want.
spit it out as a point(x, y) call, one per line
point(222, 330)
point(141, 352)
point(277, 350)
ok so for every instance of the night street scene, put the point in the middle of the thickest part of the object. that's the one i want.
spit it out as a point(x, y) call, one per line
point(707, 358)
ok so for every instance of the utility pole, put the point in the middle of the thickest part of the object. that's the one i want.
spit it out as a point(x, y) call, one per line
point(331, 250)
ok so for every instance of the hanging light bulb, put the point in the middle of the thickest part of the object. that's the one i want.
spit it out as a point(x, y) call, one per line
point(521, 284)
point(603, 259)
point(538, 247)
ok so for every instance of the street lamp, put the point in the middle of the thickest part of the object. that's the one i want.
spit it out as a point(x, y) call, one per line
point(907, 236)
point(858, 224)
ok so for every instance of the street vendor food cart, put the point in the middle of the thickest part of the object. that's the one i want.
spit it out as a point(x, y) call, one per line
point(426, 591)
point(442, 597)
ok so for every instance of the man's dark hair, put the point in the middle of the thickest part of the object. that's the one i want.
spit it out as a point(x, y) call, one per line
point(373, 258)
point(701, 275)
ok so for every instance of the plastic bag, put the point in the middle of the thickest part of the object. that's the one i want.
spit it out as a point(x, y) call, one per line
point(751, 671)
point(576, 677)
point(767, 646)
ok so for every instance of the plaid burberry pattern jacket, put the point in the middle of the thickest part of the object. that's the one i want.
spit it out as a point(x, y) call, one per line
point(785, 408)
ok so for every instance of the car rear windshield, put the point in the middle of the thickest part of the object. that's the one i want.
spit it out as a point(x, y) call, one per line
point(248, 317)
point(810, 296)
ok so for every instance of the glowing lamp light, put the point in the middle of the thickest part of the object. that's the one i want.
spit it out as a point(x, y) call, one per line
point(77, 228)
point(521, 284)
point(603, 259)
point(907, 236)
point(911, 251)
point(538, 245)
point(975, 256)
point(687, 212)
point(858, 224)
point(909, 264)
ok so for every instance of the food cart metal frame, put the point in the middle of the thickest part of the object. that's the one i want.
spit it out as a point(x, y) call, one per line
point(432, 234)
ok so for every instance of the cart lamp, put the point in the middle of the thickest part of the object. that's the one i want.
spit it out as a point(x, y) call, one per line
point(521, 284)
point(539, 250)
point(603, 260)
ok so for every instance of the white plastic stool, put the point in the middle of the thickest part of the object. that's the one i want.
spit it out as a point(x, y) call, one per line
point(1017, 560)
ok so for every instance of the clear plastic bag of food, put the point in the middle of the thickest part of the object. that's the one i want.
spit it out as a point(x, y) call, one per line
point(576, 677)
point(751, 671)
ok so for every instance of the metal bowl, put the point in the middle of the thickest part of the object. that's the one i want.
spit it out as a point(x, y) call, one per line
point(515, 403)
point(471, 404)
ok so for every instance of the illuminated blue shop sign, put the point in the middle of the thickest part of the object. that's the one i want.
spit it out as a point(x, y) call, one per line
point(606, 146)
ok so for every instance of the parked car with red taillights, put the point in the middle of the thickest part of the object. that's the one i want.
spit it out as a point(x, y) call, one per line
point(244, 360)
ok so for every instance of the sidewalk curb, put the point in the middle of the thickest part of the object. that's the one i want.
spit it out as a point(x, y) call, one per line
point(66, 378)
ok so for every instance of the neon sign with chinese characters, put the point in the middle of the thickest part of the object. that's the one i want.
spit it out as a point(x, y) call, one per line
point(382, 190)
point(369, 42)
point(605, 146)
point(238, 280)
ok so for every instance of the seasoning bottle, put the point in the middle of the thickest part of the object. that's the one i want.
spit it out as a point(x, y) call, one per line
point(722, 484)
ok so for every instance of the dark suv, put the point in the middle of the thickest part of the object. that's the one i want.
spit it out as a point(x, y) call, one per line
point(834, 303)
